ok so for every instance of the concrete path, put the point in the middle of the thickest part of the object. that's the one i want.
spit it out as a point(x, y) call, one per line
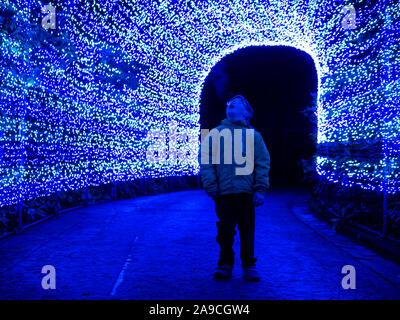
point(164, 247)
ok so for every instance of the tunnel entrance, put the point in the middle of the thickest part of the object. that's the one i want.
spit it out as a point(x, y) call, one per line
point(278, 82)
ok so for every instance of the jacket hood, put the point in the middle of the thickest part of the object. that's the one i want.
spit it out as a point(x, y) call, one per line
point(236, 124)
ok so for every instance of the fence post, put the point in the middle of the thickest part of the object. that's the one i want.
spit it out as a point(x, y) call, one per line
point(87, 193)
point(56, 209)
point(114, 190)
point(19, 214)
point(384, 211)
point(385, 131)
point(21, 134)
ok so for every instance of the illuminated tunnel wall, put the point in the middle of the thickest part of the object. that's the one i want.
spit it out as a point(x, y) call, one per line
point(78, 101)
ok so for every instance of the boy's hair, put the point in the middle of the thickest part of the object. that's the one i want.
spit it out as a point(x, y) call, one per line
point(247, 105)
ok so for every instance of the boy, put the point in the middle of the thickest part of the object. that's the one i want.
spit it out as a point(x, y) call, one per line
point(236, 194)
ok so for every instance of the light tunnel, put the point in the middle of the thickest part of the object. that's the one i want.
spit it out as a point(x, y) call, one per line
point(78, 101)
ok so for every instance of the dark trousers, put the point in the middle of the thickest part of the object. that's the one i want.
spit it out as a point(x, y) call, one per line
point(235, 209)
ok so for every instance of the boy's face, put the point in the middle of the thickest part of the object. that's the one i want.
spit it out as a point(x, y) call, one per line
point(235, 110)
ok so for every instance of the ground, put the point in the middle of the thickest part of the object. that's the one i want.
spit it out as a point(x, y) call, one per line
point(164, 247)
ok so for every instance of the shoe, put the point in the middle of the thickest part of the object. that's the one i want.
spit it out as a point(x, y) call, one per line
point(251, 274)
point(223, 272)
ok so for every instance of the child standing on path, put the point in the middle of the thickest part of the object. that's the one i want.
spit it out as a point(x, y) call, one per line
point(236, 193)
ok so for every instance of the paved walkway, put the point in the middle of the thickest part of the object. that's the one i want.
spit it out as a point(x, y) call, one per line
point(164, 247)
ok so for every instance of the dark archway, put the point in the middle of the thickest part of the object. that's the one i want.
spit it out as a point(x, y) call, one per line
point(277, 81)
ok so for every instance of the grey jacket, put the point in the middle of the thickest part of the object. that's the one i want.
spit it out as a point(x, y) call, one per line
point(222, 178)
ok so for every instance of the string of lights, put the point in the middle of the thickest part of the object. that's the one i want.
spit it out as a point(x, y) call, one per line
point(79, 101)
